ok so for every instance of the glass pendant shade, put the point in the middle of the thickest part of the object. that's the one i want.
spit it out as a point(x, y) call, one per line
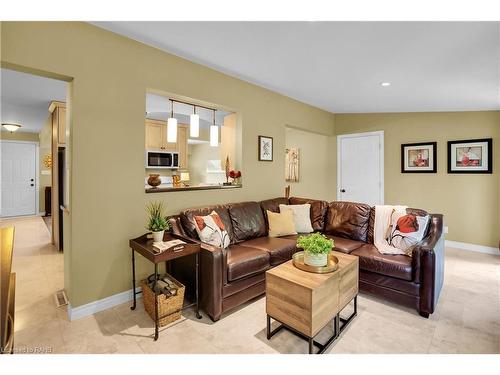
point(214, 135)
point(194, 126)
point(172, 130)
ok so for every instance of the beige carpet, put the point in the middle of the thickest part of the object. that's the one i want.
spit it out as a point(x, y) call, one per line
point(467, 319)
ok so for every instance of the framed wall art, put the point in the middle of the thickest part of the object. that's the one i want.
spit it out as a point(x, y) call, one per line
point(470, 156)
point(265, 148)
point(419, 157)
point(292, 160)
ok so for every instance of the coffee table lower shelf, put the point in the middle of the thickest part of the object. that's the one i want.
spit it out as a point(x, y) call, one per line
point(339, 324)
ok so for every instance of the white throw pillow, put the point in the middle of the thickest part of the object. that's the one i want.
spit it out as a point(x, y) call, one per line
point(301, 216)
point(406, 230)
point(211, 230)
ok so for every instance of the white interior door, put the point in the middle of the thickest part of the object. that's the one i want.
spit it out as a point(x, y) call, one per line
point(360, 167)
point(19, 180)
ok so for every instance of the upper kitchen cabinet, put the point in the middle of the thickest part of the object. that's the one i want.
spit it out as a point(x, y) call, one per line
point(156, 138)
point(156, 135)
point(58, 111)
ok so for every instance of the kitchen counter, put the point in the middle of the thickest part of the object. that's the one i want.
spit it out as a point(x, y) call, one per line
point(167, 187)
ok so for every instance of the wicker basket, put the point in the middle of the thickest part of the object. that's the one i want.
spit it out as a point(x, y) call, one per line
point(169, 308)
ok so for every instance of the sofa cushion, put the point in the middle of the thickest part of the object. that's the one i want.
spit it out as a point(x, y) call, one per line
point(345, 245)
point(247, 220)
point(272, 205)
point(243, 261)
point(301, 216)
point(280, 250)
point(399, 266)
point(281, 224)
point(371, 222)
point(348, 220)
point(187, 219)
point(211, 230)
point(318, 211)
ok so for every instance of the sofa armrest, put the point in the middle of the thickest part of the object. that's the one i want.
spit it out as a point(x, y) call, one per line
point(211, 271)
point(428, 263)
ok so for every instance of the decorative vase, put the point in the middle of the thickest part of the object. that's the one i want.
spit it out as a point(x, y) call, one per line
point(158, 236)
point(316, 260)
point(154, 180)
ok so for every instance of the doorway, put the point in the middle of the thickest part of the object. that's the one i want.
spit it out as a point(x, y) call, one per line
point(19, 178)
point(360, 167)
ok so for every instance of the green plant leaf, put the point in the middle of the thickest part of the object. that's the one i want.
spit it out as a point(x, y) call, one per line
point(315, 243)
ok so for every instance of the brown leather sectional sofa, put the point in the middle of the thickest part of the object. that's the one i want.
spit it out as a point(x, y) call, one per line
point(232, 276)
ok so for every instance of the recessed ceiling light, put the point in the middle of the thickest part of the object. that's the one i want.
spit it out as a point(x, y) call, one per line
point(385, 84)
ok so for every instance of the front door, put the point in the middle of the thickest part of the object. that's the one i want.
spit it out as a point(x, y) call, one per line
point(18, 179)
point(360, 168)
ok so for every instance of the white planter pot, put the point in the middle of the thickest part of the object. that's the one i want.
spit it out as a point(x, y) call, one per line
point(316, 260)
point(158, 236)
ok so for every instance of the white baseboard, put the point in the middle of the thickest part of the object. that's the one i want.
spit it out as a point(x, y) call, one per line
point(100, 305)
point(472, 247)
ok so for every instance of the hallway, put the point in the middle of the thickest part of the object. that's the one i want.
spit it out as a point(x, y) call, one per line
point(39, 269)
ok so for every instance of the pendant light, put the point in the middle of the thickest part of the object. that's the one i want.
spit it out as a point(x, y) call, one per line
point(172, 126)
point(11, 126)
point(214, 134)
point(194, 124)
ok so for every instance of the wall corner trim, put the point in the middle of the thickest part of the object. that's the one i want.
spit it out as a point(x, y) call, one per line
point(472, 247)
point(90, 308)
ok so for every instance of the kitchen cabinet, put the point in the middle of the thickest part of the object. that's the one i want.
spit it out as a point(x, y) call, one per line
point(156, 139)
point(58, 111)
point(156, 134)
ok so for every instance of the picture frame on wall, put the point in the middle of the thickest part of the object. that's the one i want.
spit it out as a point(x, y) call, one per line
point(470, 156)
point(419, 157)
point(265, 148)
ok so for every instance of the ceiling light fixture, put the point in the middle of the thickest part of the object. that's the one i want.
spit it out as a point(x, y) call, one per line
point(194, 124)
point(385, 84)
point(214, 133)
point(172, 126)
point(11, 126)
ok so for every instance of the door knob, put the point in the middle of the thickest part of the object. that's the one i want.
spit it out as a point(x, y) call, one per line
point(32, 184)
point(342, 190)
point(32, 180)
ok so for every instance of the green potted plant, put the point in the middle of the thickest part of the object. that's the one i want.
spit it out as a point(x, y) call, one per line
point(316, 249)
point(157, 222)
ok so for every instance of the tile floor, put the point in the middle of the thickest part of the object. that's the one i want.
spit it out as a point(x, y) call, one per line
point(467, 319)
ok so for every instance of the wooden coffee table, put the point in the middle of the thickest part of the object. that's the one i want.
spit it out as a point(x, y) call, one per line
point(305, 302)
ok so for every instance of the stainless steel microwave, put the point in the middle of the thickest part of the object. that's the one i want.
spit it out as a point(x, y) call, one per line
point(162, 160)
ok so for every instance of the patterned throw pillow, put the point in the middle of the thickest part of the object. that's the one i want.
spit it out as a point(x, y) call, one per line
point(406, 230)
point(211, 230)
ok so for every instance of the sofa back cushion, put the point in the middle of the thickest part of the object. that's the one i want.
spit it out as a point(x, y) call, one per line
point(272, 205)
point(318, 211)
point(187, 219)
point(348, 220)
point(371, 222)
point(247, 220)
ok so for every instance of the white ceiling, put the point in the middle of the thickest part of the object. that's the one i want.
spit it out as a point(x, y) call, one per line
point(338, 66)
point(25, 98)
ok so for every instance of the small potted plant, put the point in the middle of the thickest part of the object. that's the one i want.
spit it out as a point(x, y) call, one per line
point(316, 249)
point(157, 222)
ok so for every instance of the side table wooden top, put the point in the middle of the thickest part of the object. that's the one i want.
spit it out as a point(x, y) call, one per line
point(144, 246)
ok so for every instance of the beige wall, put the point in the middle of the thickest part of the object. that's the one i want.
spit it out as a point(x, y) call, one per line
point(45, 149)
point(317, 166)
point(109, 78)
point(469, 202)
